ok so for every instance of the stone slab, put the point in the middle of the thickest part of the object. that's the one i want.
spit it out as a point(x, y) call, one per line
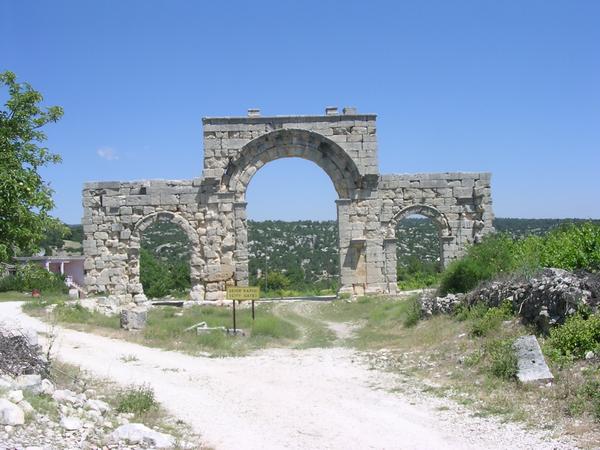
point(531, 362)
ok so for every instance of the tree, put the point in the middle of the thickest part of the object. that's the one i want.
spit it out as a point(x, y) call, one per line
point(25, 199)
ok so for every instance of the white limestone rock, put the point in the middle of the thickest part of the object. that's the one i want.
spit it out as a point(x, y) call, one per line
point(70, 423)
point(65, 396)
point(47, 387)
point(15, 396)
point(97, 405)
point(26, 407)
point(136, 433)
point(29, 383)
point(11, 414)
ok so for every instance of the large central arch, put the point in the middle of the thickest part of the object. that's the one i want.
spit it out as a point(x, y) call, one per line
point(287, 143)
point(290, 143)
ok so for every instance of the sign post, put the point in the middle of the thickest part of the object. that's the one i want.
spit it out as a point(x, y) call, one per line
point(242, 293)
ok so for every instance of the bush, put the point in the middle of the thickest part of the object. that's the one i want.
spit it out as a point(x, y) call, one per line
point(413, 312)
point(10, 283)
point(573, 247)
point(417, 274)
point(136, 399)
point(275, 281)
point(33, 276)
point(570, 247)
point(160, 278)
point(503, 362)
point(575, 338)
point(495, 255)
point(491, 319)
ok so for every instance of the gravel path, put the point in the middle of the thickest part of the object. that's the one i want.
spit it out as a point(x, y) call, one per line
point(319, 398)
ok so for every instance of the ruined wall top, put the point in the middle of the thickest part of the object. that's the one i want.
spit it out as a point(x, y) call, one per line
point(225, 138)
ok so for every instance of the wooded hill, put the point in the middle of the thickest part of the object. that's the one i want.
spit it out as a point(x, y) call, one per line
point(308, 249)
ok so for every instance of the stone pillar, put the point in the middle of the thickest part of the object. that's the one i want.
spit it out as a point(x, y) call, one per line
point(376, 282)
point(240, 254)
point(390, 265)
point(347, 254)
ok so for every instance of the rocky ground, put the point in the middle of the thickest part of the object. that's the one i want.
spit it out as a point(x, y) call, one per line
point(285, 398)
point(36, 413)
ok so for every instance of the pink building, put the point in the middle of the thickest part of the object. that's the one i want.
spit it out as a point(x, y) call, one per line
point(69, 266)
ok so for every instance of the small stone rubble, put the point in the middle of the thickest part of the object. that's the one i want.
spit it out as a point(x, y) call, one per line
point(35, 414)
point(431, 305)
point(544, 299)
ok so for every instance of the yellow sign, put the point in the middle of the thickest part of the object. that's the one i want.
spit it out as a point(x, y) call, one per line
point(243, 293)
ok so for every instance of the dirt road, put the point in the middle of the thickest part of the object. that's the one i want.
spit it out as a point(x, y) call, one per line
point(295, 399)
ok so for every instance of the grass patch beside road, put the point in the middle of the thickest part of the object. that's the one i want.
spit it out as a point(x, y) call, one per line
point(15, 296)
point(166, 327)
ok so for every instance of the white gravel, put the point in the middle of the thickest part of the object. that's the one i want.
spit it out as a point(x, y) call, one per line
point(319, 398)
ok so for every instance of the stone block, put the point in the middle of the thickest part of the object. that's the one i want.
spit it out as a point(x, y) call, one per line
point(531, 364)
point(134, 318)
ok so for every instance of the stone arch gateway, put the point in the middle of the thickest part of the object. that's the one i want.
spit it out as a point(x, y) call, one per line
point(212, 209)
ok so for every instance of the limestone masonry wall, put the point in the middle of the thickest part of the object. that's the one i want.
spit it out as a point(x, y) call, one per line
point(212, 209)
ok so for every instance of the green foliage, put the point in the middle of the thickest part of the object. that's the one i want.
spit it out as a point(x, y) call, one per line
point(25, 199)
point(274, 281)
point(570, 247)
point(502, 358)
point(417, 274)
point(575, 338)
point(54, 237)
point(10, 283)
point(303, 250)
point(75, 233)
point(585, 396)
point(573, 247)
point(492, 257)
point(42, 404)
point(137, 400)
point(490, 320)
point(33, 276)
point(162, 278)
point(413, 312)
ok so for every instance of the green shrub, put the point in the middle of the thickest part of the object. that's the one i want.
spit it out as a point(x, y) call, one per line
point(161, 278)
point(10, 283)
point(413, 312)
point(491, 319)
point(570, 247)
point(502, 359)
point(136, 399)
point(33, 276)
point(573, 246)
point(461, 276)
point(575, 338)
point(417, 274)
point(495, 255)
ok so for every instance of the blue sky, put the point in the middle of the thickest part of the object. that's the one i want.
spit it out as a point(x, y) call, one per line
point(511, 87)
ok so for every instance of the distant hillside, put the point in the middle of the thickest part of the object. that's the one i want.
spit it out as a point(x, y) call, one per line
point(309, 248)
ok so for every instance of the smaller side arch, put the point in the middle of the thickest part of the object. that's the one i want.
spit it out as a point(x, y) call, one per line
point(438, 218)
point(135, 287)
point(442, 224)
point(172, 217)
